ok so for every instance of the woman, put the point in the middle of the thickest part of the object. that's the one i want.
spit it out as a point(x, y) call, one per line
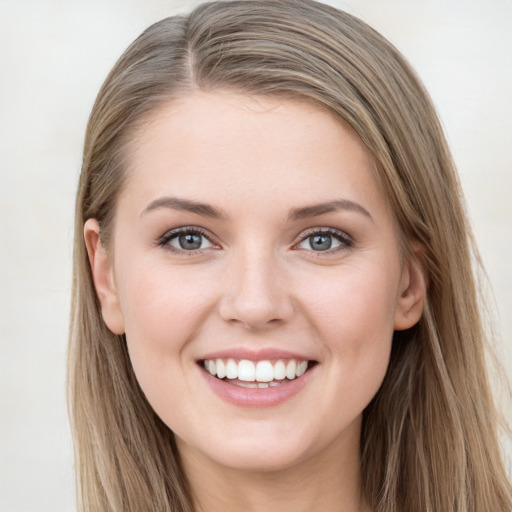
point(274, 306)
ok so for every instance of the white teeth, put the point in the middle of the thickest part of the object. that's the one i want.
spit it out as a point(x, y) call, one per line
point(301, 368)
point(263, 372)
point(290, 369)
point(231, 369)
point(247, 384)
point(279, 370)
point(255, 385)
point(246, 371)
point(221, 368)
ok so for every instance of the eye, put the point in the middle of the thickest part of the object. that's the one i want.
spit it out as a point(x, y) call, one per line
point(186, 240)
point(325, 240)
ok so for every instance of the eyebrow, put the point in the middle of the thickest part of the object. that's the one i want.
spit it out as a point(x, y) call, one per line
point(316, 210)
point(187, 205)
point(206, 210)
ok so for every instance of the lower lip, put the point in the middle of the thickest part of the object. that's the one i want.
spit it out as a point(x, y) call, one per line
point(256, 397)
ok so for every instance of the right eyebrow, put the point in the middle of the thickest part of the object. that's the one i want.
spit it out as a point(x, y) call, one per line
point(187, 205)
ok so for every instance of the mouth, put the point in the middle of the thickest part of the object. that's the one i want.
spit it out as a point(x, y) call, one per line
point(261, 374)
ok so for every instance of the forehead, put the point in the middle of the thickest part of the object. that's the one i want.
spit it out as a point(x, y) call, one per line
point(224, 146)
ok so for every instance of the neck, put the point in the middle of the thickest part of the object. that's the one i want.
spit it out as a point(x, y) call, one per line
point(328, 480)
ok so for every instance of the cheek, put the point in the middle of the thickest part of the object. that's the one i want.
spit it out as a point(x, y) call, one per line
point(354, 318)
point(163, 310)
point(357, 305)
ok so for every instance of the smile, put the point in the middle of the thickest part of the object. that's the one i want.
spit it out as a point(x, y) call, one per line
point(256, 374)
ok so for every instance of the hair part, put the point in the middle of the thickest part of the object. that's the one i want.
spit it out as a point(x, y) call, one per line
point(429, 439)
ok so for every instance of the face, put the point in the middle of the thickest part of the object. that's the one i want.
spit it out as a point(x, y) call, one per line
point(256, 273)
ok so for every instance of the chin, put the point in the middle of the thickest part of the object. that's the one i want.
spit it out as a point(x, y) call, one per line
point(255, 458)
point(258, 447)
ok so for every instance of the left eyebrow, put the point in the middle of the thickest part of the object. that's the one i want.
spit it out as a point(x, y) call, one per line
point(308, 212)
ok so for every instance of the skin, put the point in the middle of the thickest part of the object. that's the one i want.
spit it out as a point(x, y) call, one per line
point(257, 282)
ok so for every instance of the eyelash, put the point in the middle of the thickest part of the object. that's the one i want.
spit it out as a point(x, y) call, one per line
point(187, 230)
point(346, 242)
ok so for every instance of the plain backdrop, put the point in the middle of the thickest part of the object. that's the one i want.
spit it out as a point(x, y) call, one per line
point(54, 55)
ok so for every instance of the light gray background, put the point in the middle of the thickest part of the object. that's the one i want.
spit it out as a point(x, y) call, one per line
point(54, 56)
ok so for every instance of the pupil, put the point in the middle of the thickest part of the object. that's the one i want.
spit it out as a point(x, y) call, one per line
point(321, 242)
point(190, 241)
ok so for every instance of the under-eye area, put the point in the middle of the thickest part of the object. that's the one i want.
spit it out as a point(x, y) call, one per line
point(257, 374)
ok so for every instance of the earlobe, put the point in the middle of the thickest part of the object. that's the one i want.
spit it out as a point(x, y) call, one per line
point(412, 293)
point(103, 277)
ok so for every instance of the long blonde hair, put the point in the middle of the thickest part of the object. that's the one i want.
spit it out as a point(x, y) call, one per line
point(429, 438)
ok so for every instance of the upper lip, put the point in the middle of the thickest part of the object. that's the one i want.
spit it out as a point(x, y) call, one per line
point(260, 354)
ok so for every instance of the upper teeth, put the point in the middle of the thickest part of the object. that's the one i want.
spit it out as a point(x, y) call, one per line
point(262, 371)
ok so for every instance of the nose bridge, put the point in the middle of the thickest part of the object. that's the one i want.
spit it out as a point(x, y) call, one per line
point(255, 294)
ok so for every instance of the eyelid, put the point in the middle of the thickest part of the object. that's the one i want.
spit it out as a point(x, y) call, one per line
point(346, 241)
point(164, 240)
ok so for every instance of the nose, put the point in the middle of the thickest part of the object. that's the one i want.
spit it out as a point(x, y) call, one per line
point(256, 295)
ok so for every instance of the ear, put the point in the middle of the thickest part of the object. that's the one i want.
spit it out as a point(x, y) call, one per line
point(103, 277)
point(412, 293)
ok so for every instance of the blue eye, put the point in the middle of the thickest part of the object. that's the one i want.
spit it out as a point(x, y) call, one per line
point(325, 240)
point(186, 239)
